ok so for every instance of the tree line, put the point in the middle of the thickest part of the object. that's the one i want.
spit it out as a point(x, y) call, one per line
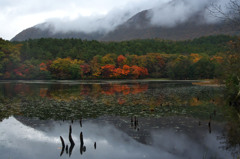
point(15, 63)
point(45, 49)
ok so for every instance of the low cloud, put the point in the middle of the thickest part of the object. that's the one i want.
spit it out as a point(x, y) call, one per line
point(99, 23)
point(179, 11)
point(166, 13)
point(89, 24)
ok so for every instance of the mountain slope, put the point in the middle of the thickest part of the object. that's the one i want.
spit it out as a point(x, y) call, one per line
point(37, 33)
point(138, 27)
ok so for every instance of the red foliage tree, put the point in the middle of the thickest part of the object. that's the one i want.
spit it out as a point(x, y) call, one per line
point(137, 72)
point(107, 71)
point(85, 69)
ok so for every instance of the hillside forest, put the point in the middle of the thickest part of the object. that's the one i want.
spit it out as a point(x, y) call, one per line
point(201, 58)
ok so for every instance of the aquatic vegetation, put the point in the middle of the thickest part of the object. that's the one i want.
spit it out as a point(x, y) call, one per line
point(147, 99)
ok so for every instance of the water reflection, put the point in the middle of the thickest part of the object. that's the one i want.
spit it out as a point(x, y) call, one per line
point(74, 100)
point(63, 146)
point(152, 92)
point(124, 119)
point(114, 139)
point(53, 90)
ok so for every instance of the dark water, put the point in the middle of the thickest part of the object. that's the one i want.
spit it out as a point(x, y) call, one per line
point(118, 119)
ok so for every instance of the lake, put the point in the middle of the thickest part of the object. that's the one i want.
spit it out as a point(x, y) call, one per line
point(112, 119)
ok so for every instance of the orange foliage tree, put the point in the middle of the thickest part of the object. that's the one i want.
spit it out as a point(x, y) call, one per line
point(43, 66)
point(121, 60)
point(118, 73)
point(125, 70)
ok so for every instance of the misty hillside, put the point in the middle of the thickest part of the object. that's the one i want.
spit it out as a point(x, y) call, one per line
point(36, 33)
point(137, 27)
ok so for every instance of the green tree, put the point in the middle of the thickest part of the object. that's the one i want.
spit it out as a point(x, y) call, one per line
point(9, 57)
point(204, 68)
point(180, 68)
point(232, 73)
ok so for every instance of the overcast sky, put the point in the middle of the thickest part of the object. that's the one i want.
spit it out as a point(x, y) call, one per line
point(17, 15)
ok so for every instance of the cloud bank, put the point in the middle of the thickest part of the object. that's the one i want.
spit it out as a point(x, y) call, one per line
point(103, 23)
point(166, 13)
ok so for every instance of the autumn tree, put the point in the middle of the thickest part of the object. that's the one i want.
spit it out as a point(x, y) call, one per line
point(195, 57)
point(121, 60)
point(155, 64)
point(66, 68)
point(85, 69)
point(109, 59)
point(107, 71)
point(142, 61)
point(95, 66)
point(44, 72)
point(118, 73)
point(126, 70)
point(137, 72)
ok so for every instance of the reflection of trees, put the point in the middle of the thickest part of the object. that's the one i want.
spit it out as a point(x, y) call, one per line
point(72, 144)
point(124, 89)
point(90, 100)
point(115, 93)
point(66, 92)
point(232, 137)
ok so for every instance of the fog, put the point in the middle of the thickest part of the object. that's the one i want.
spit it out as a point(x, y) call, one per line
point(167, 13)
point(179, 11)
point(103, 23)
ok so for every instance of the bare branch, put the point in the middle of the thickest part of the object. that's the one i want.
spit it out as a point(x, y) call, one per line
point(231, 15)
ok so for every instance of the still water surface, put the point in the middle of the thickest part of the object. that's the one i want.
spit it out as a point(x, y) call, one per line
point(117, 119)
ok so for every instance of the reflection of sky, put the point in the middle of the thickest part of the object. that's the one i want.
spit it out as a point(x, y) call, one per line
point(18, 141)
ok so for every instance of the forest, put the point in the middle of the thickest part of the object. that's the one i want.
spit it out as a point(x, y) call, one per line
point(201, 58)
